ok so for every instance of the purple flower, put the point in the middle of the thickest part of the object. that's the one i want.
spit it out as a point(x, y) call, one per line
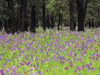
point(21, 63)
point(29, 47)
point(96, 58)
point(2, 72)
point(60, 61)
point(93, 54)
point(90, 63)
point(99, 67)
point(34, 73)
point(71, 65)
point(46, 70)
point(42, 60)
point(19, 74)
point(75, 54)
point(12, 73)
point(37, 66)
point(31, 68)
point(40, 72)
point(66, 67)
point(99, 44)
point(83, 66)
point(75, 70)
point(98, 74)
point(93, 68)
point(90, 57)
point(63, 58)
point(48, 59)
point(28, 62)
point(36, 58)
point(78, 67)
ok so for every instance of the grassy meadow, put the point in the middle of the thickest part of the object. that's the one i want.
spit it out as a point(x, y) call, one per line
point(50, 53)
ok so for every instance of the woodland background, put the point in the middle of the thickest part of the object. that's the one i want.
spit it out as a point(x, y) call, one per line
point(25, 15)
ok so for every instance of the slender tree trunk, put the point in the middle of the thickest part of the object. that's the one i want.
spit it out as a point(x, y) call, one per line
point(71, 15)
point(33, 20)
point(52, 22)
point(65, 23)
point(44, 20)
point(92, 22)
point(74, 25)
point(59, 19)
point(26, 25)
point(89, 23)
point(19, 15)
point(48, 21)
point(0, 25)
point(24, 3)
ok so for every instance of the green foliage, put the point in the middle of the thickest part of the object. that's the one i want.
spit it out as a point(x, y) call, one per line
point(16, 6)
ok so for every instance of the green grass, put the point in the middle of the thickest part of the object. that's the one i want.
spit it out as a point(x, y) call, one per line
point(50, 51)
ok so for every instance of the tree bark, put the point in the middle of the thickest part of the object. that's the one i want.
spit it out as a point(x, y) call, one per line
point(44, 20)
point(48, 21)
point(52, 22)
point(92, 22)
point(33, 20)
point(24, 3)
point(19, 12)
point(59, 19)
point(71, 15)
point(81, 14)
point(1, 25)
point(12, 22)
point(89, 23)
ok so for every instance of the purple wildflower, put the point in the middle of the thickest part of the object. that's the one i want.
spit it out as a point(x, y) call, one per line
point(2, 72)
point(90, 57)
point(75, 70)
point(21, 63)
point(66, 67)
point(93, 68)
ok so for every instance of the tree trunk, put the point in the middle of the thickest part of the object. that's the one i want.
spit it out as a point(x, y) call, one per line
point(44, 20)
point(33, 20)
point(65, 23)
point(7, 26)
point(19, 12)
point(52, 22)
point(12, 21)
point(59, 19)
point(71, 15)
point(92, 22)
point(0, 25)
point(81, 14)
point(89, 23)
point(24, 3)
point(74, 25)
point(26, 26)
point(48, 21)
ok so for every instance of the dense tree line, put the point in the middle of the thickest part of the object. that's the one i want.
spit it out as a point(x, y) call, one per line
point(24, 15)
